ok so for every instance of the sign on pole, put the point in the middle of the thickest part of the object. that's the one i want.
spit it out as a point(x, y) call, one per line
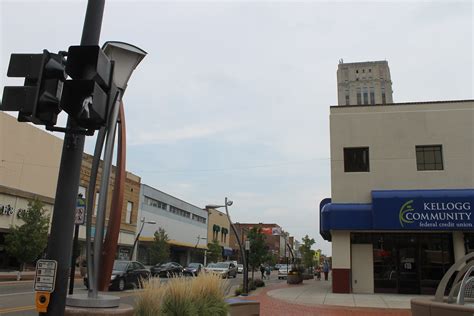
point(80, 211)
point(45, 278)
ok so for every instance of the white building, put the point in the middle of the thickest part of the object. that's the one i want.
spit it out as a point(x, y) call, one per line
point(184, 223)
point(364, 83)
point(402, 194)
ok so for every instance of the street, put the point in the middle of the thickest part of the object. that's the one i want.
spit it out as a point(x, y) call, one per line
point(17, 297)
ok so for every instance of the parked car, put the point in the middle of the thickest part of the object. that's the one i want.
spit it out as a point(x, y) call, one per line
point(240, 268)
point(193, 269)
point(166, 270)
point(225, 269)
point(126, 274)
point(283, 271)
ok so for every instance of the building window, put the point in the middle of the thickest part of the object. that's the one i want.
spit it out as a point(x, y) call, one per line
point(155, 203)
point(366, 96)
point(356, 159)
point(128, 218)
point(372, 95)
point(179, 212)
point(359, 99)
point(383, 97)
point(199, 218)
point(96, 203)
point(357, 71)
point(370, 70)
point(429, 157)
point(347, 99)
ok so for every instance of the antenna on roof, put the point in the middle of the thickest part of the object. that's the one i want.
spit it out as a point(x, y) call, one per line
point(341, 61)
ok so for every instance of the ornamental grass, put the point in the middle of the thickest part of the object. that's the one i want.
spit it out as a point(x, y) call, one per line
point(200, 296)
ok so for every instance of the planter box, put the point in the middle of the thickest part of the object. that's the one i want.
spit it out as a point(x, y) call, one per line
point(294, 279)
point(308, 276)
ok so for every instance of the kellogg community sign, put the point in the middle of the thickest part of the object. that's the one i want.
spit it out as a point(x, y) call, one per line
point(424, 212)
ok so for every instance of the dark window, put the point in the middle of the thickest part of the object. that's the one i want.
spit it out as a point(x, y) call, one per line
point(372, 97)
point(357, 71)
point(356, 159)
point(366, 97)
point(359, 99)
point(347, 100)
point(383, 97)
point(370, 70)
point(429, 157)
point(363, 70)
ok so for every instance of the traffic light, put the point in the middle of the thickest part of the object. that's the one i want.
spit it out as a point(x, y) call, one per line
point(37, 100)
point(86, 96)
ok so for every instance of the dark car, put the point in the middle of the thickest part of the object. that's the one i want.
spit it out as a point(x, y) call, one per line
point(166, 270)
point(193, 269)
point(126, 274)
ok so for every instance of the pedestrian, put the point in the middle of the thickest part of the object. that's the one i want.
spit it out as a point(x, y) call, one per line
point(268, 271)
point(262, 271)
point(326, 270)
point(318, 273)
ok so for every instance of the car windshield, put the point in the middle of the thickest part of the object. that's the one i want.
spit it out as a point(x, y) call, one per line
point(120, 265)
point(283, 267)
point(193, 265)
point(240, 265)
point(221, 265)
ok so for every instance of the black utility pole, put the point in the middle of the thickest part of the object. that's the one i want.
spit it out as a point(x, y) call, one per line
point(62, 226)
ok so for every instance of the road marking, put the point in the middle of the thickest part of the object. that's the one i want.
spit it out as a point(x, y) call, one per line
point(17, 309)
point(21, 293)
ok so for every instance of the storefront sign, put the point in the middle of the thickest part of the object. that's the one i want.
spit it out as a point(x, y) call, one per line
point(420, 212)
point(8, 210)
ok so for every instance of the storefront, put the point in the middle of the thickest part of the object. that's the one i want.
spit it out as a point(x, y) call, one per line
point(402, 242)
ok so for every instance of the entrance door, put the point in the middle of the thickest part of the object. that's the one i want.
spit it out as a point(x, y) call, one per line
point(408, 265)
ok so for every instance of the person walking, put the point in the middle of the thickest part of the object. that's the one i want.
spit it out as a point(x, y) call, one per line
point(326, 270)
point(268, 271)
point(262, 271)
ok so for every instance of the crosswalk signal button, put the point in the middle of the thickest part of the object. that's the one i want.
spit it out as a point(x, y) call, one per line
point(42, 301)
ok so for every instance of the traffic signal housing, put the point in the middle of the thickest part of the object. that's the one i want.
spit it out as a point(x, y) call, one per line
point(37, 100)
point(86, 96)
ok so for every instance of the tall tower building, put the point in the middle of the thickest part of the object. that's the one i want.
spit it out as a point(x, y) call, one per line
point(364, 83)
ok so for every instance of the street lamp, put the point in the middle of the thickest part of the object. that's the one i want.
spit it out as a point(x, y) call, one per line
point(125, 59)
point(135, 243)
point(244, 259)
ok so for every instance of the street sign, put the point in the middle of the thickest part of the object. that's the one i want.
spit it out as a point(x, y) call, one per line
point(80, 218)
point(45, 278)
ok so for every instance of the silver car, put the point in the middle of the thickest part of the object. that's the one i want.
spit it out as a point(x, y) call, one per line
point(225, 269)
point(240, 268)
point(283, 271)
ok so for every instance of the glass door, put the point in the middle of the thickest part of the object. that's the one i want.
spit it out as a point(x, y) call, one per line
point(408, 266)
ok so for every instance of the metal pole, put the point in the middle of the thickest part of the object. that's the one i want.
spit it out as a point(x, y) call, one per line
point(75, 247)
point(238, 240)
point(62, 225)
point(136, 240)
point(104, 186)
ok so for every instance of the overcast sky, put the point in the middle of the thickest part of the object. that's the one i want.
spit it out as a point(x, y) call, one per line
point(233, 98)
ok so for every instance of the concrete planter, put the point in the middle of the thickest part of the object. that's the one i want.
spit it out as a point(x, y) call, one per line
point(294, 278)
point(240, 307)
point(426, 307)
point(308, 276)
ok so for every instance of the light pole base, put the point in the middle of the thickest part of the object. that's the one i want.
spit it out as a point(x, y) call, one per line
point(85, 302)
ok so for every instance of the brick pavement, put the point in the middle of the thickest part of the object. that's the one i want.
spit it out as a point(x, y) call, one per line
point(274, 307)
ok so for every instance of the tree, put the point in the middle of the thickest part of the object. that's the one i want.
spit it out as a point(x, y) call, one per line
point(258, 249)
point(214, 252)
point(160, 249)
point(28, 241)
point(306, 252)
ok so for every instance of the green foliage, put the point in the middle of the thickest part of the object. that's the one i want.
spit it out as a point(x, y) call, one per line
point(28, 241)
point(214, 252)
point(258, 249)
point(306, 253)
point(160, 249)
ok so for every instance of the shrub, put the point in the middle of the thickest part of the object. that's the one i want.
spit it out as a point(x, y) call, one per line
point(200, 296)
point(252, 285)
point(259, 283)
point(148, 302)
point(238, 291)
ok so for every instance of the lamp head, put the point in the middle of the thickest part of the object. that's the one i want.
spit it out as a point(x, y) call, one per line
point(229, 203)
point(126, 58)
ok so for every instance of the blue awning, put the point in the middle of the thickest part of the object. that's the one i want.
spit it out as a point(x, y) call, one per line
point(449, 209)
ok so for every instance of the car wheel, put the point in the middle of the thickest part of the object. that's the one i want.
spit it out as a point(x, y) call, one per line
point(121, 285)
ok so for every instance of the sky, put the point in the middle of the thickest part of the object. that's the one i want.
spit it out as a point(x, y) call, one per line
point(233, 97)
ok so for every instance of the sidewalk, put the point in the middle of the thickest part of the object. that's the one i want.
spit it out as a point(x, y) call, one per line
point(23, 276)
point(314, 297)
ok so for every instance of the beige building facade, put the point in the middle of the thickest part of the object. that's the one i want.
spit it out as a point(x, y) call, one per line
point(402, 194)
point(364, 83)
point(218, 229)
point(29, 167)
